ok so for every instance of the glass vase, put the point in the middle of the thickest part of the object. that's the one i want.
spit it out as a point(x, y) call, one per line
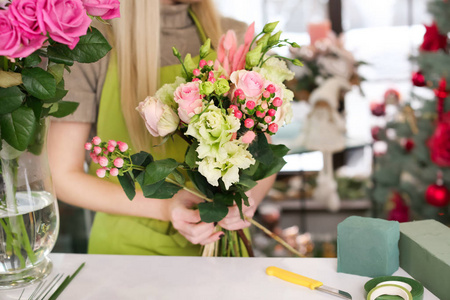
point(29, 216)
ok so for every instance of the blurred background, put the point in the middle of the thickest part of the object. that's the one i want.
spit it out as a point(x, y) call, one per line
point(363, 116)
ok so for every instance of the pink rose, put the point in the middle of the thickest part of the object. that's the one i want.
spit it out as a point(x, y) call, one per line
point(64, 20)
point(159, 118)
point(24, 15)
point(250, 82)
point(189, 100)
point(13, 41)
point(106, 9)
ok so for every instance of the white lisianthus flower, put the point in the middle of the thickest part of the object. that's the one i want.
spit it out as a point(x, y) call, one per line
point(165, 93)
point(212, 128)
point(275, 70)
point(233, 156)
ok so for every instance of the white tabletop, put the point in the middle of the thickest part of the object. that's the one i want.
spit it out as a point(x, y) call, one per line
point(112, 277)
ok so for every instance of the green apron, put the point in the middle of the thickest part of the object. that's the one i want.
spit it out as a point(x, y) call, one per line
point(117, 234)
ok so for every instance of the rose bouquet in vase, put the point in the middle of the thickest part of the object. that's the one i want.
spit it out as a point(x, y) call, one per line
point(224, 110)
point(39, 39)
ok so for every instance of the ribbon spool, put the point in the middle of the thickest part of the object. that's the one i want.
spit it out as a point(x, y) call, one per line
point(389, 289)
point(416, 288)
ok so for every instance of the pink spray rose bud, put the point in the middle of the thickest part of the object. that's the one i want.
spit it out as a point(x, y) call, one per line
point(242, 97)
point(111, 148)
point(210, 63)
point(234, 107)
point(102, 161)
point(264, 105)
point(212, 79)
point(105, 152)
point(112, 143)
point(96, 140)
point(64, 20)
point(249, 123)
point(189, 99)
point(97, 150)
point(248, 137)
point(223, 77)
point(101, 172)
point(195, 79)
point(250, 104)
point(122, 146)
point(266, 94)
point(273, 127)
point(106, 9)
point(196, 72)
point(270, 88)
point(260, 114)
point(114, 172)
point(268, 119)
point(238, 114)
point(202, 63)
point(277, 102)
point(94, 157)
point(238, 92)
point(271, 112)
point(88, 146)
point(118, 162)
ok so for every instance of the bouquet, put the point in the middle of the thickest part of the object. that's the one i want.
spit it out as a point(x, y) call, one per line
point(39, 40)
point(224, 110)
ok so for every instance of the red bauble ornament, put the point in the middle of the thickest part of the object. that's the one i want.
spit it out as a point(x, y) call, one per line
point(378, 109)
point(408, 144)
point(418, 79)
point(391, 96)
point(437, 195)
point(433, 40)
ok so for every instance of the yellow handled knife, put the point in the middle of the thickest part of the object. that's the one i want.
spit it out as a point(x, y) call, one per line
point(305, 281)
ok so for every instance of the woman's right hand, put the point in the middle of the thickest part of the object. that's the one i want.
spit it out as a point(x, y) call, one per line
point(187, 220)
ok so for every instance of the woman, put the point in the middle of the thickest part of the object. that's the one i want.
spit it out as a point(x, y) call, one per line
point(108, 92)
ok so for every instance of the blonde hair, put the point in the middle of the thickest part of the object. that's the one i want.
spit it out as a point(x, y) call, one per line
point(136, 35)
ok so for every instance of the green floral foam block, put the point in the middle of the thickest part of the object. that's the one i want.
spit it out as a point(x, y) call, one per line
point(425, 254)
point(368, 246)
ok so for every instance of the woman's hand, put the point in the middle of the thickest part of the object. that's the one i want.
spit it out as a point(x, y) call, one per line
point(187, 221)
point(233, 220)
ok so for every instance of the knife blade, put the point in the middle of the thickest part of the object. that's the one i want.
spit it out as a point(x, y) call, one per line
point(305, 281)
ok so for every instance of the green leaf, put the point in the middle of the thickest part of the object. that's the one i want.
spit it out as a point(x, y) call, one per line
point(226, 199)
point(128, 185)
point(141, 159)
point(247, 182)
point(202, 184)
point(191, 155)
point(212, 212)
point(39, 83)
point(279, 150)
point(57, 70)
point(179, 177)
point(10, 99)
point(60, 54)
point(65, 108)
point(60, 93)
point(9, 79)
point(91, 47)
point(18, 127)
point(260, 149)
point(159, 170)
point(165, 191)
point(32, 60)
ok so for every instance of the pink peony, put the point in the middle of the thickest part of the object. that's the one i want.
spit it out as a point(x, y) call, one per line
point(106, 9)
point(251, 83)
point(64, 20)
point(159, 118)
point(189, 100)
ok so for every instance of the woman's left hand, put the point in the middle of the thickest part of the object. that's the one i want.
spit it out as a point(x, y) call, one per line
point(233, 220)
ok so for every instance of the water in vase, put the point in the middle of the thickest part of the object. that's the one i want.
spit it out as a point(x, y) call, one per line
point(29, 233)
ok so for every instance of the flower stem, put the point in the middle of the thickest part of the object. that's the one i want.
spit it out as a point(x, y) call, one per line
point(5, 63)
point(275, 237)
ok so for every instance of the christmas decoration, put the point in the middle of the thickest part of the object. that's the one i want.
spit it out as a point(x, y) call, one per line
point(433, 40)
point(400, 210)
point(418, 79)
point(391, 96)
point(378, 109)
point(414, 144)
